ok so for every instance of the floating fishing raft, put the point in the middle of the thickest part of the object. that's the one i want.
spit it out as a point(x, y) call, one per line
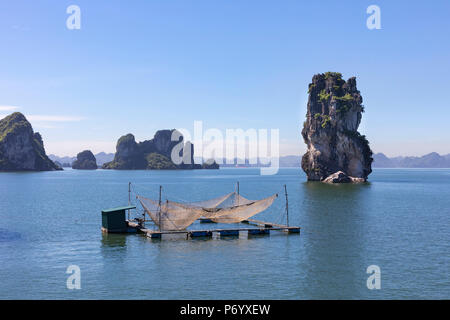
point(170, 217)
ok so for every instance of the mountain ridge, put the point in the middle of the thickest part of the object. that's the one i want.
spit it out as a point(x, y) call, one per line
point(429, 160)
point(293, 161)
point(101, 157)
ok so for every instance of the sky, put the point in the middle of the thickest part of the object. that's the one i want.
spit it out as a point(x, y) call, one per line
point(140, 66)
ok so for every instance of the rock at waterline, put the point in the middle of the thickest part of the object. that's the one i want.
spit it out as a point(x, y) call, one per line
point(341, 177)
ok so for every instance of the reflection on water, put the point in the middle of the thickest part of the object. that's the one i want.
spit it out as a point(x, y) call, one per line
point(335, 239)
point(114, 239)
point(114, 244)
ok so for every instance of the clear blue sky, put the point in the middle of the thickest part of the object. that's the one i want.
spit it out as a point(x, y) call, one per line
point(140, 66)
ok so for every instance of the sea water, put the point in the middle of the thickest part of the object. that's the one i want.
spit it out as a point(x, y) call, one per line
point(399, 221)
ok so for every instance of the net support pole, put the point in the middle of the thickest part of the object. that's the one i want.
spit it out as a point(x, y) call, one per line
point(129, 198)
point(287, 206)
point(238, 192)
point(159, 210)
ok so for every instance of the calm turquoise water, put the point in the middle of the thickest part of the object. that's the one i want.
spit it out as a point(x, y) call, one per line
point(400, 221)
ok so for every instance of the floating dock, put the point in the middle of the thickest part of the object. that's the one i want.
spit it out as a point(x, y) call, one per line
point(114, 221)
point(261, 228)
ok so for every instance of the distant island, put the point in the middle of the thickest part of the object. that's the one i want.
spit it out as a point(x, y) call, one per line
point(22, 149)
point(85, 161)
point(155, 154)
point(380, 160)
point(67, 161)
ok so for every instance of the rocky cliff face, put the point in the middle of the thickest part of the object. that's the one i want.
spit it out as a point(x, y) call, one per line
point(128, 155)
point(85, 161)
point(331, 130)
point(152, 154)
point(20, 148)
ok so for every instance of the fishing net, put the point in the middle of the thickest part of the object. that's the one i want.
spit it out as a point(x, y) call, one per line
point(230, 208)
point(243, 211)
point(168, 216)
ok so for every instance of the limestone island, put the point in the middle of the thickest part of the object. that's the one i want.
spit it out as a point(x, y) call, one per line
point(85, 161)
point(21, 149)
point(155, 154)
point(336, 151)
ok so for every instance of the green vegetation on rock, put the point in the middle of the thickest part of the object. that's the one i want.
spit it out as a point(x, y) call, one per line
point(346, 98)
point(330, 74)
point(344, 103)
point(156, 161)
point(323, 96)
point(325, 119)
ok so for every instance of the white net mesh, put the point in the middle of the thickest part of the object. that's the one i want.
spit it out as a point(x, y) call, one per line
point(205, 208)
point(243, 211)
point(168, 216)
point(230, 208)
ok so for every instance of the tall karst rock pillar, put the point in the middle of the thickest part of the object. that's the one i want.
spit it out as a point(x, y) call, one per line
point(336, 151)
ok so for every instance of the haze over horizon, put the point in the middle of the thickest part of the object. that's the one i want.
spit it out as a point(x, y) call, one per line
point(149, 66)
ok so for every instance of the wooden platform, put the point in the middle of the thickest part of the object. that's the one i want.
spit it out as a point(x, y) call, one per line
point(261, 228)
point(274, 226)
point(263, 224)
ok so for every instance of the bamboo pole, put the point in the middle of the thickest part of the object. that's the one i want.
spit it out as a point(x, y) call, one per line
point(287, 206)
point(129, 199)
point(159, 211)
